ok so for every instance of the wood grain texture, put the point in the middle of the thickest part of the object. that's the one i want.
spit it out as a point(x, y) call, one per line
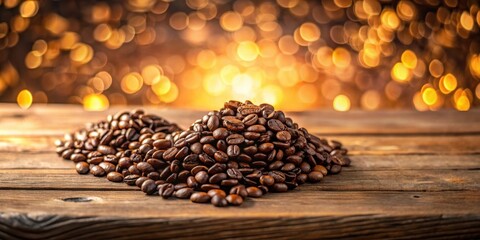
point(413, 175)
point(352, 215)
point(56, 119)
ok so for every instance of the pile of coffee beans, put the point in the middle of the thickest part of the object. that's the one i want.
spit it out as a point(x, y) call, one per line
point(242, 150)
point(113, 148)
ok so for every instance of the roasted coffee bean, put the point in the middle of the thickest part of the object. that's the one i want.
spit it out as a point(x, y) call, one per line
point(280, 187)
point(106, 150)
point(207, 187)
point(97, 171)
point(78, 157)
point(320, 168)
point(335, 169)
point(254, 192)
point(184, 193)
point(145, 167)
point(115, 177)
point(234, 199)
point(229, 182)
point(219, 201)
point(279, 177)
point(267, 180)
point(266, 147)
point(235, 139)
point(214, 192)
point(108, 167)
point(220, 134)
point(82, 167)
point(250, 119)
point(239, 190)
point(149, 187)
point(166, 190)
point(130, 179)
point(283, 136)
point(315, 176)
point(233, 151)
point(275, 125)
point(162, 144)
point(217, 178)
point(233, 124)
point(234, 173)
point(200, 197)
point(140, 181)
point(302, 178)
point(209, 149)
point(192, 182)
point(213, 123)
point(201, 177)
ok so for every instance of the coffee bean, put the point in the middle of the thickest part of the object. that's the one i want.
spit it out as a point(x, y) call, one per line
point(234, 199)
point(280, 187)
point(184, 193)
point(234, 173)
point(233, 124)
point(250, 119)
point(335, 169)
point(78, 157)
point(82, 167)
point(266, 147)
point(239, 190)
point(283, 136)
point(201, 177)
point(267, 180)
point(115, 177)
point(106, 150)
point(279, 177)
point(229, 182)
point(275, 125)
point(320, 168)
point(254, 192)
point(162, 144)
point(213, 123)
point(235, 139)
point(131, 179)
point(315, 176)
point(207, 187)
point(149, 187)
point(217, 178)
point(97, 171)
point(200, 197)
point(214, 192)
point(233, 151)
point(220, 133)
point(219, 201)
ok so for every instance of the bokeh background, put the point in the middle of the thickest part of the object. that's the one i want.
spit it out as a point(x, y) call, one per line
point(294, 54)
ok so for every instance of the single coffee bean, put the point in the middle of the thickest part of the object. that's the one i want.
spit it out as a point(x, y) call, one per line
point(217, 178)
point(235, 139)
point(239, 190)
point(140, 181)
point(131, 179)
point(219, 201)
point(250, 119)
point(267, 180)
point(283, 136)
point(254, 192)
point(162, 144)
point(115, 177)
point(335, 169)
point(229, 182)
point(200, 197)
point(320, 168)
point(106, 150)
point(275, 125)
point(220, 133)
point(266, 147)
point(213, 123)
point(280, 187)
point(220, 157)
point(184, 193)
point(97, 171)
point(82, 167)
point(315, 176)
point(234, 173)
point(234, 199)
point(149, 187)
point(78, 157)
point(207, 187)
point(214, 192)
point(201, 177)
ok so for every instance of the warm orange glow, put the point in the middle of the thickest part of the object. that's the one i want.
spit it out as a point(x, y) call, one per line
point(448, 83)
point(429, 96)
point(400, 73)
point(247, 51)
point(309, 32)
point(409, 59)
point(24, 99)
point(231, 21)
point(29, 8)
point(131, 83)
point(95, 102)
point(341, 103)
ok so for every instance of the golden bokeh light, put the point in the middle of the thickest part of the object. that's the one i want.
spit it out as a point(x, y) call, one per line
point(95, 102)
point(132, 83)
point(309, 32)
point(24, 99)
point(341, 103)
point(294, 54)
point(29, 8)
point(247, 51)
point(448, 83)
point(231, 21)
point(401, 73)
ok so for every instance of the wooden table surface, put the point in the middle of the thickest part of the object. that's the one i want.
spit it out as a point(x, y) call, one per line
point(413, 175)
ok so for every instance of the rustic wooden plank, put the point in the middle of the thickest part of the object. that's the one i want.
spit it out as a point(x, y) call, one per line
point(327, 215)
point(357, 145)
point(381, 180)
point(56, 119)
point(49, 160)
